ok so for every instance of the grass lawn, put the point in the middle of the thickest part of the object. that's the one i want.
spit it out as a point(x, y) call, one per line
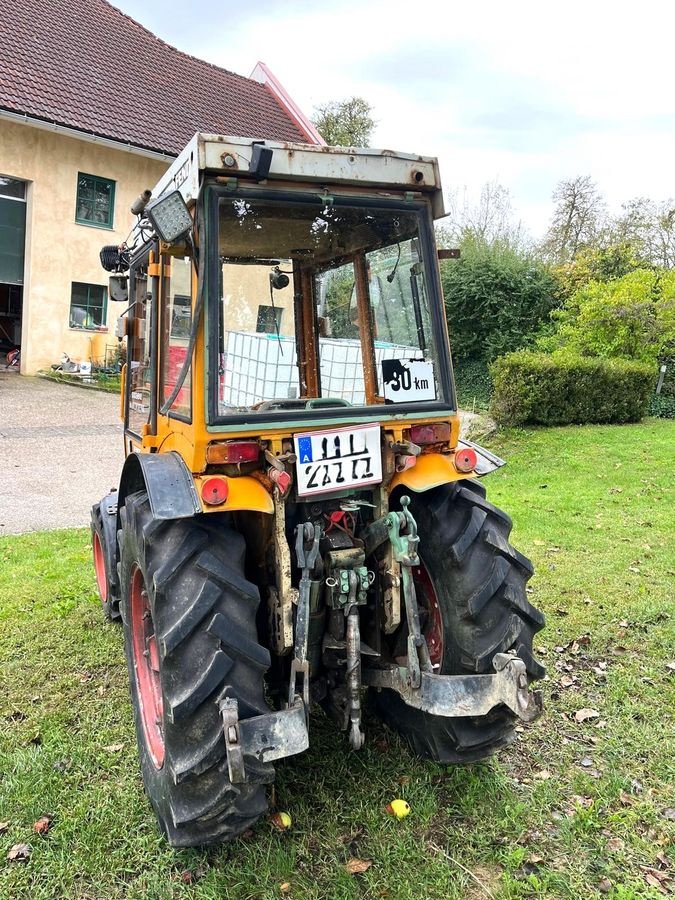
point(573, 809)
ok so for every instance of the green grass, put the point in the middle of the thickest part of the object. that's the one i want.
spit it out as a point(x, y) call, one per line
point(570, 811)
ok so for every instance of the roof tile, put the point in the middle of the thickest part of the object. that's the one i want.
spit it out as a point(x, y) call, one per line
point(88, 66)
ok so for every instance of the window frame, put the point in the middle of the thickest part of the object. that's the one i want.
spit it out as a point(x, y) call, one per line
point(104, 308)
point(447, 402)
point(110, 224)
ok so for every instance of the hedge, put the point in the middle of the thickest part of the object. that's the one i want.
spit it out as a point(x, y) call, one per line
point(554, 389)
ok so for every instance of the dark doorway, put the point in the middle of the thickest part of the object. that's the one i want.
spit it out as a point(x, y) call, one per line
point(12, 244)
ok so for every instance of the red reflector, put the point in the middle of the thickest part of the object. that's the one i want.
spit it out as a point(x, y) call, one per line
point(230, 452)
point(281, 479)
point(214, 491)
point(466, 460)
point(430, 434)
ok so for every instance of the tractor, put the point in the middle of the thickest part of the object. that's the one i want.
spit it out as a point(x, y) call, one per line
point(297, 521)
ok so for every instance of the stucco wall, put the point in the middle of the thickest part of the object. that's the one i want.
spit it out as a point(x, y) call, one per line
point(58, 250)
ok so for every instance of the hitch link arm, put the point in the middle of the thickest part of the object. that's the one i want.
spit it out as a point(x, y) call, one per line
point(405, 552)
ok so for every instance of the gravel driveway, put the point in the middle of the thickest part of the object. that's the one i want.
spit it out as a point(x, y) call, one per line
point(61, 450)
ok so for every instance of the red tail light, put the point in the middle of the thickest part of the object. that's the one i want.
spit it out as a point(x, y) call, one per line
point(465, 460)
point(232, 452)
point(430, 434)
point(214, 491)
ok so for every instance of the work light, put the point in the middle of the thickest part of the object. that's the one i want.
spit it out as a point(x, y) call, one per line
point(169, 217)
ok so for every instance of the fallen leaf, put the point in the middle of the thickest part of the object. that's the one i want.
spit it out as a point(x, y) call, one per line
point(604, 886)
point(663, 859)
point(567, 681)
point(626, 799)
point(19, 853)
point(582, 715)
point(671, 666)
point(4, 826)
point(285, 887)
point(615, 844)
point(544, 775)
point(356, 866)
point(404, 779)
point(43, 824)
point(587, 762)
point(584, 640)
point(636, 786)
point(114, 748)
point(669, 813)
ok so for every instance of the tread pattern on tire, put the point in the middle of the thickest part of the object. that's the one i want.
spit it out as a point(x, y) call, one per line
point(480, 584)
point(204, 612)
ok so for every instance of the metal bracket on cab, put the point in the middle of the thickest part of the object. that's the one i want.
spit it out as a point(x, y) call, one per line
point(267, 737)
point(464, 695)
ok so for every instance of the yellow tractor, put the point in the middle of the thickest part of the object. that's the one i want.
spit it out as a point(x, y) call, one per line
point(297, 519)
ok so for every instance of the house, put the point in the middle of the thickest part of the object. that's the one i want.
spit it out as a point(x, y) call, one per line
point(93, 108)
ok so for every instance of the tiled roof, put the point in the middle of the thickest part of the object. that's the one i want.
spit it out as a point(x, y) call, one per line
point(86, 65)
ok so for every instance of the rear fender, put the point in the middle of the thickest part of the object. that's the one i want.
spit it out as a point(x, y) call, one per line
point(434, 469)
point(172, 489)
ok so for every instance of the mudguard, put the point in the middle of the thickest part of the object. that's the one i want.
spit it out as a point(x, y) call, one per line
point(433, 469)
point(167, 480)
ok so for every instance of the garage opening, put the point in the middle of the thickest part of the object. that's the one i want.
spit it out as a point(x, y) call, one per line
point(12, 247)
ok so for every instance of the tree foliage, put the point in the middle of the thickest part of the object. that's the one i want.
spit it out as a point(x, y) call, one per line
point(491, 219)
point(631, 317)
point(345, 123)
point(649, 228)
point(495, 297)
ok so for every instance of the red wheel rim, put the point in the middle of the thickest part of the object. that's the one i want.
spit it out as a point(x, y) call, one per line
point(428, 600)
point(146, 668)
point(99, 568)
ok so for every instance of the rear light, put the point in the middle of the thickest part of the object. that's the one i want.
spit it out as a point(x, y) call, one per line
point(437, 433)
point(465, 460)
point(214, 491)
point(233, 452)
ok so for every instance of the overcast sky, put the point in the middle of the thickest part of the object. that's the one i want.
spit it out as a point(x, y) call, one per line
point(519, 92)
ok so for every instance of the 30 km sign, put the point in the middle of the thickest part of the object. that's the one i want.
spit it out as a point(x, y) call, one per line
point(408, 380)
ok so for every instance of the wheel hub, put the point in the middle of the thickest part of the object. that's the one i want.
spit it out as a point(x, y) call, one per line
point(433, 628)
point(146, 668)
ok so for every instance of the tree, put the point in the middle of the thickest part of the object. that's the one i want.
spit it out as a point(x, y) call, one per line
point(490, 220)
point(650, 228)
point(631, 317)
point(578, 219)
point(345, 123)
point(495, 297)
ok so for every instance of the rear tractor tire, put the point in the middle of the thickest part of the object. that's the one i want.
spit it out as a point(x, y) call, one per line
point(191, 639)
point(470, 588)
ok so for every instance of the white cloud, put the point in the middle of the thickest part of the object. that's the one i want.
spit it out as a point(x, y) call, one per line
point(524, 92)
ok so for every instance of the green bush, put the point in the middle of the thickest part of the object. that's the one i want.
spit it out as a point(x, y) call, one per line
point(662, 406)
point(496, 298)
point(472, 383)
point(563, 389)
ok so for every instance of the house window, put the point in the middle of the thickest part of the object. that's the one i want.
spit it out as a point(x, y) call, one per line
point(88, 305)
point(12, 187)
point(269, 320)
point(95, 201)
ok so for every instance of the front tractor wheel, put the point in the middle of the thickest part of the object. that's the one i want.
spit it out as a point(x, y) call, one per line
point(470, 588)
point(191, 639)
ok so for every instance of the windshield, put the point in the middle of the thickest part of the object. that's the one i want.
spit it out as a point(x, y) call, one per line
point(322, 304)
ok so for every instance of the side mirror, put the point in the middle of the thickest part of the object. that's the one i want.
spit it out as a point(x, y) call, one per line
point(118, 286)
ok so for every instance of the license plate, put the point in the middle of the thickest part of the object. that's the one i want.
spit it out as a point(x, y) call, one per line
point(335, 460)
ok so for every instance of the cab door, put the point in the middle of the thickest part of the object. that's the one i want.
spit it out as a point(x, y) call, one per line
point(140, 411)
